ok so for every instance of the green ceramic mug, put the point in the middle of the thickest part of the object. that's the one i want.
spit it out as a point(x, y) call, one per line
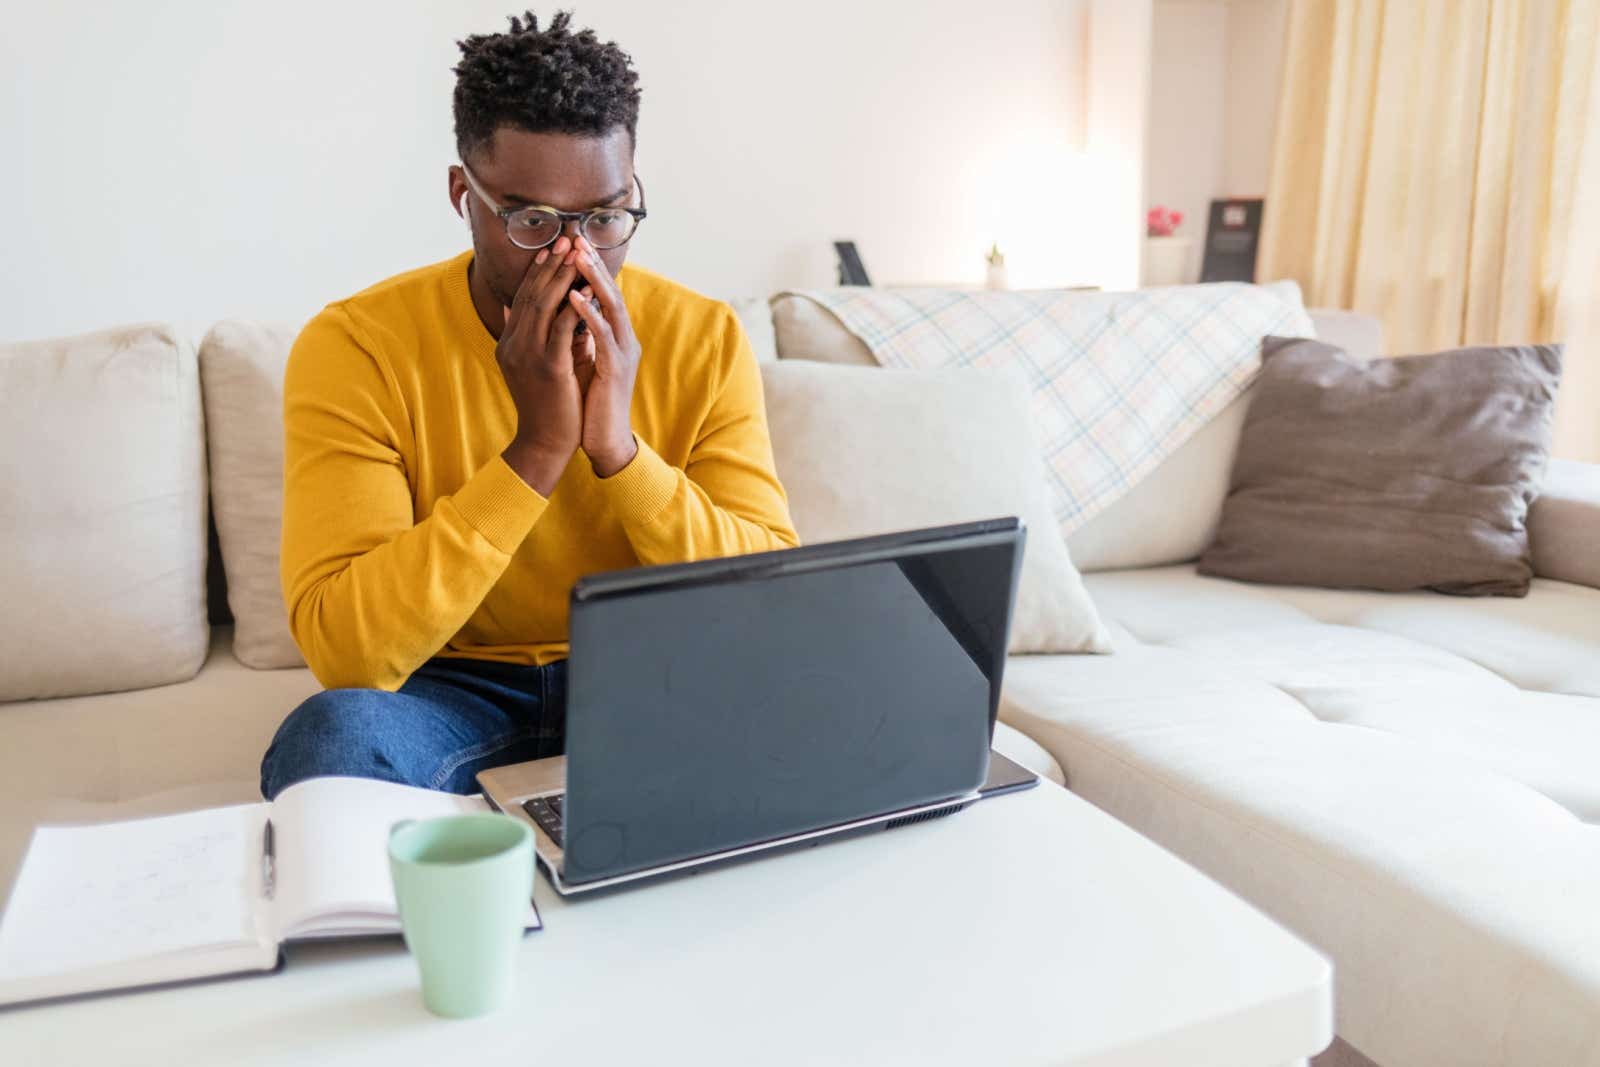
point(462, 883)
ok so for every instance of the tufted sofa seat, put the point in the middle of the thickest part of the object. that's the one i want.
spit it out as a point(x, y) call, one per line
point(1411, 782)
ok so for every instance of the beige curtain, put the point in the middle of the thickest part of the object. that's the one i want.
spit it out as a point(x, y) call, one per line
point(1437, 163)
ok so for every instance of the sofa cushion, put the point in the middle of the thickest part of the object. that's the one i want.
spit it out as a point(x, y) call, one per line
point(102, 513)
point(1389, 474)
point(805, 330)
point(863, 451)
point(755, 315)
point(1357, 333)
point(1406, 780)
point(241, 373)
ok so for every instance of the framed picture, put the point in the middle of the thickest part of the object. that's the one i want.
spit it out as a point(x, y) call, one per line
point(851, 269)
point(1233, 235)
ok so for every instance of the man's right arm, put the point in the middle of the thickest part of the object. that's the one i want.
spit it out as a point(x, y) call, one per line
point(372, 594)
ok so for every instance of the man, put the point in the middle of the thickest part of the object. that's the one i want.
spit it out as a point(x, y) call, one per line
point(464, 441)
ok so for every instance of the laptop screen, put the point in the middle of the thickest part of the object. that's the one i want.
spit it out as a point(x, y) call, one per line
point(707, 716)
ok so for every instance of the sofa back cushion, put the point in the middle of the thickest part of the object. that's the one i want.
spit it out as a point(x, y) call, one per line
point(755, 315)
point(102, 513)
point(804, 329)
point(863, 451)
point(241, 373)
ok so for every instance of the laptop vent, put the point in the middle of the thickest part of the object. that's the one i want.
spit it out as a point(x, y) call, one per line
point(907, 820)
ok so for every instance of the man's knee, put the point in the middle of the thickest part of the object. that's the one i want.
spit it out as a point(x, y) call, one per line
point(336, 731)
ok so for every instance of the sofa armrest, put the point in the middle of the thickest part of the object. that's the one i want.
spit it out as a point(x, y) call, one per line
point(1564, 524)
point(1358, 334)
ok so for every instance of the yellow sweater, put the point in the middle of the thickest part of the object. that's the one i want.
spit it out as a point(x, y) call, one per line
point(405, 535)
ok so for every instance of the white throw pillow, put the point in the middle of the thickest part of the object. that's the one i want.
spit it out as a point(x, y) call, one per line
point(102, 514)
point(866, 451)
point(755, 315)
point(241, 372)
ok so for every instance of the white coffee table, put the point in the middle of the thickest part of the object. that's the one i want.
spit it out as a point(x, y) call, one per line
point(1030, 929)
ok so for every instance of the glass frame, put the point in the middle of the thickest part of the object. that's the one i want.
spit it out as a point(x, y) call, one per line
point(504, 214)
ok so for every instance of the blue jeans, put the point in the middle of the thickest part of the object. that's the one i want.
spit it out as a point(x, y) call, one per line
point(450, 720)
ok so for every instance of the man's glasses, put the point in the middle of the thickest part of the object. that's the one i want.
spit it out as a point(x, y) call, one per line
point(536, 226)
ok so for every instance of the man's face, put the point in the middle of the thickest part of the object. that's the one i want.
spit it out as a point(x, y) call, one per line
point(560, 170)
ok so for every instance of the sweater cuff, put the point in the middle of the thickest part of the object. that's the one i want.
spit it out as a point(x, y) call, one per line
point(499, 505)
point(640, 491)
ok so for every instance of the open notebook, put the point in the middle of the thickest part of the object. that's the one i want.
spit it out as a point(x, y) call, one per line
point(178, 897)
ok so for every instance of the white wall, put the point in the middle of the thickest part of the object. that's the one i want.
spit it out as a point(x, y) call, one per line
point(1215, 71)
point(1257, 36)
point(196, 160)
point(1184, 148)
point(1118, 64)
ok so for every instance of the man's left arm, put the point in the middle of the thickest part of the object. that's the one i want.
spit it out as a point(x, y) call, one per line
point(727, 500)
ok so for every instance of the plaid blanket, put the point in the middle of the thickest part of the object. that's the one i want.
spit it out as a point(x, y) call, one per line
point(1119, 380)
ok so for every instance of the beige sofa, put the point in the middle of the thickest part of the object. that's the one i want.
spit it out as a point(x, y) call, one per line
point(1408, 781)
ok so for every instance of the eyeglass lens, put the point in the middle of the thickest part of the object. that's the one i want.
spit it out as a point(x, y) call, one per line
point(603, 229)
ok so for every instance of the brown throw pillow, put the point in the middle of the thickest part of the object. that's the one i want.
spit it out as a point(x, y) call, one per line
point(1410, 473)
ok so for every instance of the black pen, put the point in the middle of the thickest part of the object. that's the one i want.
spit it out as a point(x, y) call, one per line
point(269, 857)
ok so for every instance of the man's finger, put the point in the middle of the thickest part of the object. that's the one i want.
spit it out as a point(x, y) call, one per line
point(582, 345)
point(548, 259)
point(558, 348)
point(547, 303)
point(605, 340)
point(510, 346)
point(585, 375)
point(545, 263)
point(525, 289)
point(599, 278)
point(581, 301)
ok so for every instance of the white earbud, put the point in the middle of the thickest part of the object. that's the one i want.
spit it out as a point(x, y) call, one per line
point(462, 205)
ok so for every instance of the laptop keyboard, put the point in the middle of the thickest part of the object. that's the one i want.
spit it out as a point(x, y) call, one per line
point(546, 811)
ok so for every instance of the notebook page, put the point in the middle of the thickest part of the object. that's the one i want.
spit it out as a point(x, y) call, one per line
point(115, 893)
point(332, 838)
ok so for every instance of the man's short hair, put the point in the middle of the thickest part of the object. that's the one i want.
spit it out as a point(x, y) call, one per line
point(544, 81)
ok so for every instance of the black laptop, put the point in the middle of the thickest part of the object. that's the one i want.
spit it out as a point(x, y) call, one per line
point(724, 709)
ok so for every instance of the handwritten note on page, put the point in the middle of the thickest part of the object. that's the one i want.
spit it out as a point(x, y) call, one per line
point(95, 895)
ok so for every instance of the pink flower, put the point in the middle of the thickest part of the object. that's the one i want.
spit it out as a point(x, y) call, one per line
point(1161, 221)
